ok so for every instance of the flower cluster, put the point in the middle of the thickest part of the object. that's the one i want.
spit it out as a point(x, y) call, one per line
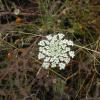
point(56, 51)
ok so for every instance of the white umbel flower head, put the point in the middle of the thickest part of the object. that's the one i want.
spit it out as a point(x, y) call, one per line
point(55, 51)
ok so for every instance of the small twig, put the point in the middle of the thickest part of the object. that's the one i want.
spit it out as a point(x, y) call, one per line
point(38, 71)
point(87, 48)
point(22, 13)
point(8, 43)
point(32, 95)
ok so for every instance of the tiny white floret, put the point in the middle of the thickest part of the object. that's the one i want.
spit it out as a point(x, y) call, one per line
point(61, 35)
point(61, 58)
point(62, 66)
point(47, 59)
point(67, 60)
point(49, 37)
point(16, 11)
point(41, 56)
point(41, 43)
point(72, 54)
point(53, 65)
point(70, 43)
point(45, 65)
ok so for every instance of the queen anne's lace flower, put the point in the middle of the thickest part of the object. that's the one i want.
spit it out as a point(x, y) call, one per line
point(55, 50)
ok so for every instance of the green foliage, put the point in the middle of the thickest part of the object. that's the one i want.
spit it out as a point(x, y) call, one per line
point(78, 20)
point(59, 86)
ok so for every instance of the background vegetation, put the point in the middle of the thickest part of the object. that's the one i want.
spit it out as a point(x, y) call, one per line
point(21, 75)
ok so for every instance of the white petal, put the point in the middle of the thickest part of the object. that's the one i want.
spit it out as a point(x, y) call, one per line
point(60, 35)
point(41, 43)
point(41, 49)
point(46, 42)
point(61, 43)
point(61, 58)
point(64, 41)
point(70, 43)
point(45, 65)
point(54, 38)
point(45, 52)
point(52, 59)
point(64, 55)
point(47, 47)
point(47, 59)
point(48, 53)
point(41, 56)
point(67, 49)
point(72, 54)
point(63, 52)
point(67, 60)
point(53, 65)
point(56, 60)
point(63, 46)
point(62, 66)
point(51, 42)
point(49, 37)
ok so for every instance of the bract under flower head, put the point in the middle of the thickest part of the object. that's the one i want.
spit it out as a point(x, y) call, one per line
point(55, 51)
